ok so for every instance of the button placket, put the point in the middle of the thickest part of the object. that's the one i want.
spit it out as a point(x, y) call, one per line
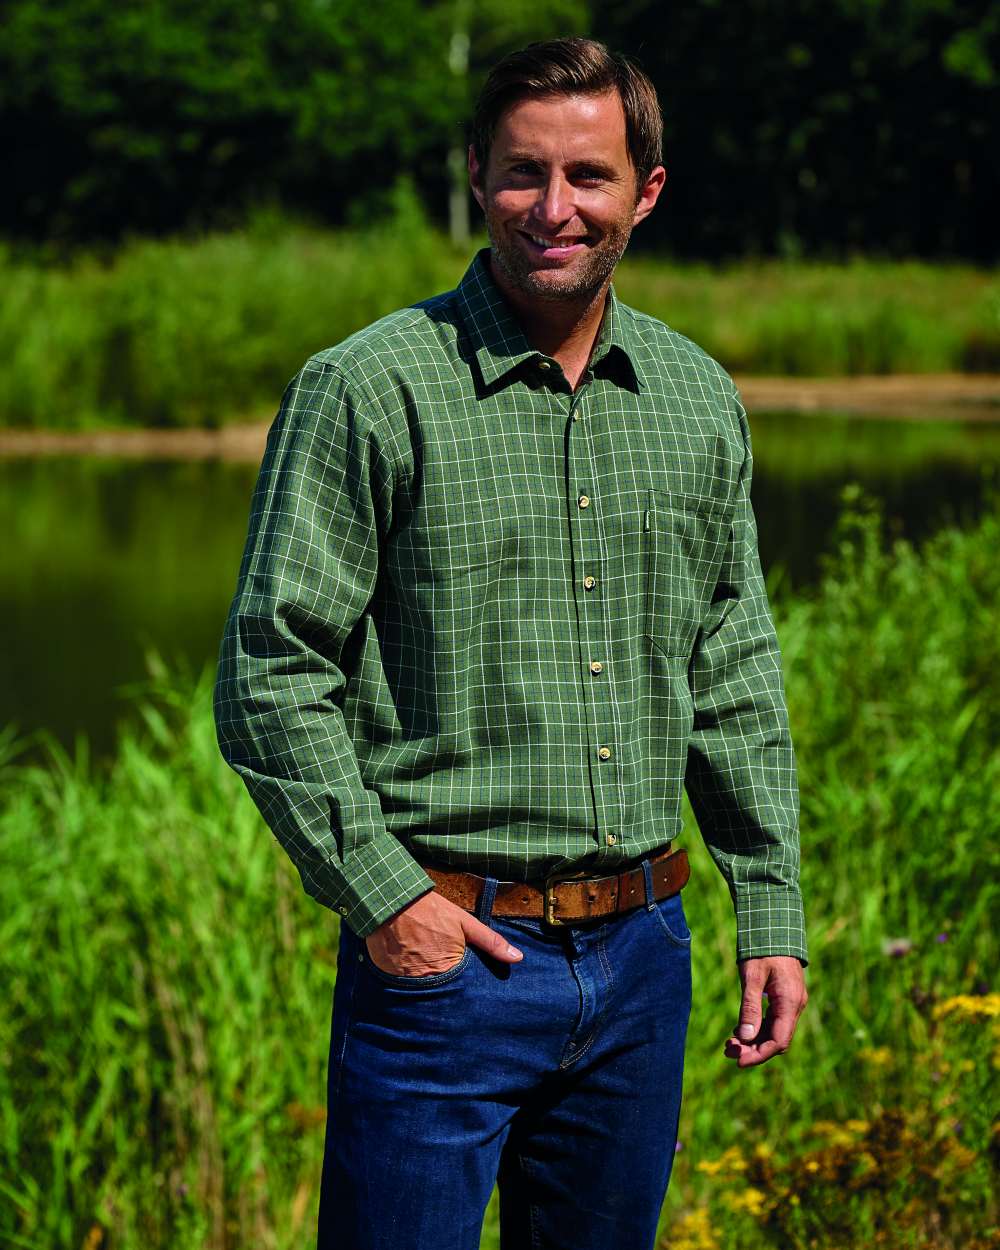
point(607, 783)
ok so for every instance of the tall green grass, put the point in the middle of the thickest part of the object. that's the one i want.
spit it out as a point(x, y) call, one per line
point(812, 319)
point(200, 332)
point(167, 985)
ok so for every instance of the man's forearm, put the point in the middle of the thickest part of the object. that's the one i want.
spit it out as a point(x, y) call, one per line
point(307, 577)
point(741, 773)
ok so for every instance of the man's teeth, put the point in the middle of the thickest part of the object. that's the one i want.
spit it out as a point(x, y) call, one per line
point(537, 238)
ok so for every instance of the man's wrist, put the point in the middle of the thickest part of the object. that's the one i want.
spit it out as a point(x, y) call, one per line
point(363, 919)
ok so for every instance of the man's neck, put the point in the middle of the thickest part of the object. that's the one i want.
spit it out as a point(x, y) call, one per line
point(566, 330)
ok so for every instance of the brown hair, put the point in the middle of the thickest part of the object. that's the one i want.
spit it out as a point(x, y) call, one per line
point(573, 66)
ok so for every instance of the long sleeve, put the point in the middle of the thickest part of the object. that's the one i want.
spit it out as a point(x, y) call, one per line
point(741, 773)
point(321, 507)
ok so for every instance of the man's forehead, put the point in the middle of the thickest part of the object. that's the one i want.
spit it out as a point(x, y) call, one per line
point(587, 118)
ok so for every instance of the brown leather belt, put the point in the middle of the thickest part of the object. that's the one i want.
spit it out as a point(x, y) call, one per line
point(567, 897)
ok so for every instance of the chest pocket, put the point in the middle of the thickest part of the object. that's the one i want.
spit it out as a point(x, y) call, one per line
point(685, 542)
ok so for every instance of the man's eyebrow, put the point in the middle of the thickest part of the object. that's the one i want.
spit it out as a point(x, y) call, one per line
point(599, 166)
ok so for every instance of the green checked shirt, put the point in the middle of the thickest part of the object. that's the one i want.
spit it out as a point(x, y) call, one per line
point(488, 622)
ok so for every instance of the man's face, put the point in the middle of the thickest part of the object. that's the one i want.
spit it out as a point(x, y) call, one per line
point(560, 196)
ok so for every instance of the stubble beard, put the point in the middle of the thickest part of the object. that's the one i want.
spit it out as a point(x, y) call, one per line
point(581, 282)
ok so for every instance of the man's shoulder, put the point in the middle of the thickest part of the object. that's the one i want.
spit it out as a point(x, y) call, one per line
point(407, 338)
point(672, 356)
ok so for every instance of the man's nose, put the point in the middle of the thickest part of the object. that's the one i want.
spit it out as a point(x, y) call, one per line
point(554, 204)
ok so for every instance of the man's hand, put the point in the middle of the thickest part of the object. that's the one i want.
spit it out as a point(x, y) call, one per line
point(780, 978)
point(430, 935)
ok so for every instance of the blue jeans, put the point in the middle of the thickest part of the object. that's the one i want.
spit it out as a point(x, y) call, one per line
point(558, 1078)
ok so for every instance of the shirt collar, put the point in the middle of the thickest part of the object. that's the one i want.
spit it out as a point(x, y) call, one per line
point(499, 343)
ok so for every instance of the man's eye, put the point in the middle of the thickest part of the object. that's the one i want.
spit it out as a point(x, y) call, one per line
point(589, 175)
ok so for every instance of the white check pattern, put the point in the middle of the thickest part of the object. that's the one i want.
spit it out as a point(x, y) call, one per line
point(486, 622)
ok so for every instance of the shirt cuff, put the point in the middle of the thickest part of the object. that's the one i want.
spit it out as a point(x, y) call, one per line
point(376, 881)
point(769, 921)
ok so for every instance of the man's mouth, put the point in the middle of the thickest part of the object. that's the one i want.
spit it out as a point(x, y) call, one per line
point(562, 246)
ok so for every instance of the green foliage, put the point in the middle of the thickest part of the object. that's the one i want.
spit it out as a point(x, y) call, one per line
point(168, 984)
point(140, 117)
point(199, 332)
point(887, 1136)
point(824, 127)
point(806, 127)
point(864, 317)
point(173, 333)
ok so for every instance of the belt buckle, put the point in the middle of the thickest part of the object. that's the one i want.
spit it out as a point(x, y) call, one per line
point(552, 880)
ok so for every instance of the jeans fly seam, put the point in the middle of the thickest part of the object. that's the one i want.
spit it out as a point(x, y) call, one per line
point(602, 955)
point(568, 1063)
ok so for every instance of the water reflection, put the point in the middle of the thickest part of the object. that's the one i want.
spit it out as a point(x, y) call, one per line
point(106, 559)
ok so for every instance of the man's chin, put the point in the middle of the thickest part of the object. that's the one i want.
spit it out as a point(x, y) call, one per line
point(553, 284)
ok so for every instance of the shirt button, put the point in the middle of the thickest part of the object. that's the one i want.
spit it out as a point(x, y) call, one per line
point(611, 839)
point(589, 582)
point(604, 753)
point(342, 910)
point(596, 666)
point(544, 364)
point(584, 501)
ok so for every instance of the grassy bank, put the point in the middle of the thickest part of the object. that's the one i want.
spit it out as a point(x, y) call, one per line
point(201, 332)
point(168, 985)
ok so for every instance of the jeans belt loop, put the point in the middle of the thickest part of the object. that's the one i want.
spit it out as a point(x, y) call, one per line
point(647, 872)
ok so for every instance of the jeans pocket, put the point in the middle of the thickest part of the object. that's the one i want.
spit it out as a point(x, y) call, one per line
point(670, 914)
point(414, 983)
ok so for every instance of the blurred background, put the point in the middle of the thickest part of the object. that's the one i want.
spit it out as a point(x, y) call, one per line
point(200, 196)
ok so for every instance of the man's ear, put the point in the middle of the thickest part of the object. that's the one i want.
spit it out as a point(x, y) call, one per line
point(476, 178)
point(649, 193)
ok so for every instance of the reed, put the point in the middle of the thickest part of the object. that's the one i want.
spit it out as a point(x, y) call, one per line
point(167, 985)
point(201, 331)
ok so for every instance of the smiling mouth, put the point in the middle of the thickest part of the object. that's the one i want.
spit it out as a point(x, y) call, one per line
point(562, 244)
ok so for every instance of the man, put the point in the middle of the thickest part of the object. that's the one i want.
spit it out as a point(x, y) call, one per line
point(500, 602)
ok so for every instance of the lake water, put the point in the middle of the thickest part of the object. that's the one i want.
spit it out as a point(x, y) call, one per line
point(106, 560)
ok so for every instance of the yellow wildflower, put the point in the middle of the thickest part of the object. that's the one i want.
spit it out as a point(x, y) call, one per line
point(812, 1165)
point(877, 1056)
point(969, 1007)
point(825, 1127)
point(840, 1133)
point(752, 1201)
point(693, 1231)
point(731, 1160)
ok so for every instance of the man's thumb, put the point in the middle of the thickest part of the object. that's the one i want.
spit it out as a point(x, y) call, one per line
point(488, 940)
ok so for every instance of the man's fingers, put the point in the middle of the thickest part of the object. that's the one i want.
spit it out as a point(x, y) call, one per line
point(488, 940)
point(750, 1010)
point(774, 1037)
point(782, 1018)
point(753, 1055)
